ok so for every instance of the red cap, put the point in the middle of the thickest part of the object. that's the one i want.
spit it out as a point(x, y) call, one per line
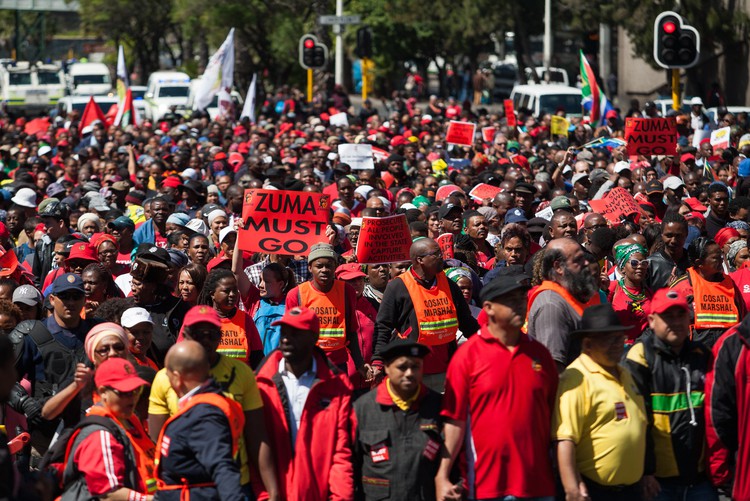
point(705, 140)
point(301, 318)
point(82, 251)
point(239, 131)
point(172, 182)
point(119, 374)
point(664, 299)
point(243, 148)
point(215, 262)
point(522, 161)
point(220, 156)
point(695, 215)
point(686, 157)
point(236, 159)
point(201, 313)
point(695, 204)
point(62, 144)
point(723, 235)
point(611, 114)
point(349, 271)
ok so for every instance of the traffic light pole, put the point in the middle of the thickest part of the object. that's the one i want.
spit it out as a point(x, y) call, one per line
point(339, 61)
point(364, 67)
point(309, 85)
point(676, 93)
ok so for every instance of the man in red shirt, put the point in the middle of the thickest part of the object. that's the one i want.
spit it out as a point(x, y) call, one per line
point(499, 394)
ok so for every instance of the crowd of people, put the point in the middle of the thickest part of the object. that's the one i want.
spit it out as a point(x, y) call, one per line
point(547, 352)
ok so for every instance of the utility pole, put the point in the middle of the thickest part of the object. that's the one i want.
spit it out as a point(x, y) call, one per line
point(605, 52)
point(547, 37)
point(338, 30)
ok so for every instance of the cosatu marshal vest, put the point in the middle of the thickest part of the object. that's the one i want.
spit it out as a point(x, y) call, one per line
point(331, 310)
point(434, 308)
point(549, 285)
point(234, 343)
point(714, 302)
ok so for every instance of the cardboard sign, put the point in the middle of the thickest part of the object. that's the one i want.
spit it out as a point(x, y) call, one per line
point(651, 136)
point(559, 125)
point(383, 240)
point(510, 114)
point(283, 222)
point(357, 156)
point(616, 204)
point(488, 134)
point(545, 213)
point(339, 120)
point(482, 191)
point(445, 241)
point(460, 133)
point(720, 138)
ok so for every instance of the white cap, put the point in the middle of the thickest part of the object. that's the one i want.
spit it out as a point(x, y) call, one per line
point(672, 183)
point(134, 316)
point(578, 177)
point(198, 226)
point(189, 173)
point(696, 101)
point(25, 197)
point(319, 128)
point(43, 150)
point(225, 232)
point(621, 166)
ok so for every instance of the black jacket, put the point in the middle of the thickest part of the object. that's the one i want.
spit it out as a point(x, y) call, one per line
point(660, 268)
point(677, 428)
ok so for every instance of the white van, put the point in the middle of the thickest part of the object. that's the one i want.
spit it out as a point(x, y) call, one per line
point(28, 88)
point(164, 90)
point(556, 76)
point(89, 79)
point(541, 99)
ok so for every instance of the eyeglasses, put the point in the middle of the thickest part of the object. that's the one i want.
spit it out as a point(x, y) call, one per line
point(635, 263)
point(104, 350)
point(127, 394)
point(435, 254)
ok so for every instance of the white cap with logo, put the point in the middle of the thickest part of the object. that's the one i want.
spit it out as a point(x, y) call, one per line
point(134, 316)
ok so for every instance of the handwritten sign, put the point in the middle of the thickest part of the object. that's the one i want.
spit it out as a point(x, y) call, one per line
point(461, 133)
point(615, 205)
point(445, 241)
point(483, 190)
point(651, 136)
point(383, 240)
point(357, 156)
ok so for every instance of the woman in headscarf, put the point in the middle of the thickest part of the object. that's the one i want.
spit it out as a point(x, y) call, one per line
point(106, 250)
point(629, 296)
point(88, 224)
point(217, 220)
point(738, 253)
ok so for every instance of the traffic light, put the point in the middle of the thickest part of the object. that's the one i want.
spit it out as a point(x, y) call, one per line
point(313, 55)
point(364, 43)
point(676, 45)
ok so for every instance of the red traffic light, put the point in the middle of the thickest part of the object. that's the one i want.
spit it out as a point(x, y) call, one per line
point(669, 27)
point(309, 43)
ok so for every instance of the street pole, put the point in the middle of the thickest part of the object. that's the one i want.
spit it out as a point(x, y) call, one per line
point(547, 36)
point(605, 50)
point(676, 94)
point(364, 67)
point(309, 85)
point(339, 71)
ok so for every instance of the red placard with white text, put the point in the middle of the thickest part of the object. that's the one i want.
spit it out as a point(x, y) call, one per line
point(510, 113)
point(461, 133)
point(483, 190)
point(488, 134)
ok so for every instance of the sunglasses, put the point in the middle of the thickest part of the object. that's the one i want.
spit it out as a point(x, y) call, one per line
point(127, 394)
point(635, 263)
point(104, 350)
point(70, 296)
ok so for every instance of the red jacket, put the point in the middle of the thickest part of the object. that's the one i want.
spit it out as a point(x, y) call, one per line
point(728, 411)
point(320, 467)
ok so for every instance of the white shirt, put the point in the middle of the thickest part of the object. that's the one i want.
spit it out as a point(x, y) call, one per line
point(297, 390)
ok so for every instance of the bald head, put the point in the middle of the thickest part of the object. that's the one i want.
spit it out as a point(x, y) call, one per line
point(189, 360)
point(422, 247)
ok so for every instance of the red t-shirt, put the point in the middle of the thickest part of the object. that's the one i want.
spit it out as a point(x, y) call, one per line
point(628, 311)
point(101, 460)
point(741, 279)
point(506, 399)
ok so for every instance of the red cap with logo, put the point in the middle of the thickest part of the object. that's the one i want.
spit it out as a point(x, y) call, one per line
point(201, 313)
point(349, 271)
point(301, 318)
point(665, 299)
point(84, 252)
point(119, 374)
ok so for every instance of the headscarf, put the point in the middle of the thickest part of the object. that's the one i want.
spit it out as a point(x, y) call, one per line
point(723, 235)
point(489, 213)
point(457, 272)
point(739, 225)
point(88, 216)
point(99, 238)
point(99, 332)
point(214, 214)
point(735, 249)
point(623, 253)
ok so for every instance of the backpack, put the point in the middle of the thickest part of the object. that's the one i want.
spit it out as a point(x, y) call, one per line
point(58, 460)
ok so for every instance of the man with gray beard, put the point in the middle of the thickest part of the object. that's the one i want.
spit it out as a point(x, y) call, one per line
point(556, 306)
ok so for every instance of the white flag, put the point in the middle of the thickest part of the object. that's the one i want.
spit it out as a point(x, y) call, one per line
point(249, 109)
point(123, 82)
point(218, 76)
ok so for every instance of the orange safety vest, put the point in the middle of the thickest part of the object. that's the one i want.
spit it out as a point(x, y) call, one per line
point(549, 285)
point(143, 447)
point(331, 310)
point(435, 310)
point(236, 417)
point(713, 302)
point(234, 343)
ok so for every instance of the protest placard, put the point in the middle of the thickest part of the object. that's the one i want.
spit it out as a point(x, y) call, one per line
point(283, 222)
point(383, 240)
point(651, 136)
point(510, 114)
point(488, 134)
point(357, 156)
point(461, 133)
point(483, 190)
point(339, 120)
point(445, 241)
point(379, 154)
point(616, 204)
point(699, 135)
point(720, 138)
point(545, 213)
point(559, 125)
point(445, 191)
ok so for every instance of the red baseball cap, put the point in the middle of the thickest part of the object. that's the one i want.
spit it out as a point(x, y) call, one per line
point(695, 204)
point(349, 271)
point(301, 318)
point(119, 374)
point(82, 251)
point(687, 157)
point(220, 156)
point(217, 261)
point(665, 299)
point(201, 313)
point(172, 182)
point(695, 215)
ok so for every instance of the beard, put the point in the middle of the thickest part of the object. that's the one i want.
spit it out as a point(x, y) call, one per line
point(581, 286)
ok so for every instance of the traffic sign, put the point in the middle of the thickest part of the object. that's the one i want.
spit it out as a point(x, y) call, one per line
point(351, 19)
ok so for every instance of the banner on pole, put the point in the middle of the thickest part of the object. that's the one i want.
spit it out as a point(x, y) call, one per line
point(488, 134)
point(283, 222)
point(559, 125)
point(383, 240)
point(651, 136)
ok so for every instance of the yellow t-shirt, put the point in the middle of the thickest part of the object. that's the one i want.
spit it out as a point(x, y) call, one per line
point(605, 418)
point(235, 378)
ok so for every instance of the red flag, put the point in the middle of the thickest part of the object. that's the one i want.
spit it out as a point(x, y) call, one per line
point(36, 126)
point(91, 114)
point(127, 116)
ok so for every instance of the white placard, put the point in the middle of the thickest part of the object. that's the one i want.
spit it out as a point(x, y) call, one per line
point(339, 120)
point(357, 156)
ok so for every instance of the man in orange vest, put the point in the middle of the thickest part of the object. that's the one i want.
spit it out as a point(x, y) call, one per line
point(196, 450)
point(423, 305)
point(335, 304)
point(556, 306)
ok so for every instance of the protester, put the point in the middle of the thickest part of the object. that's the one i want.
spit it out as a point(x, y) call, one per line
point(628, 296)
point(139, 328)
